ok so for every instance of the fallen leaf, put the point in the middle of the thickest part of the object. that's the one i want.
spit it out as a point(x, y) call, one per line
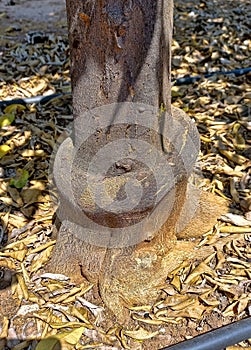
point(47, 343)
point(13, 108)
point(20, 179)
point(4, 149)
point(141, 334)
point(6, 119)
point(235, 219)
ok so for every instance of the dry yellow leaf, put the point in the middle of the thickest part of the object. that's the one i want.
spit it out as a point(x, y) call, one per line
point(147, 320)
point(36, 299)
point(202, 268)
point(184, 304)
point(235, 229)
point(33, 153)
point(232, 289)
point(161, 312)
point(176, 282)
point(17, 254)
point(120, 335)
point(76, 292)
point(8, 201)
point(37, 184)
point(220, 260)
point(4, 328)
point(80, 313)
point(140, 308)
point(41, 259)
point(67, 325)
point(175, 299)
point(23, 242)
point(230, 310)
point(236, 158)
point(25, 273)
point(42, 247)
point(40, 87)
point(17, 221)
point(236, 347)
point(94, 345)
point(173, 320)
point(23, 286)
point(243, 303)
point(209, 300)
point(238, 261)
point(7, 263)
point(194, 310)
point(141, 334)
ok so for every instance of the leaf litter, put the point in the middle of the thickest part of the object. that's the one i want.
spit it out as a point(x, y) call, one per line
point(197, 296)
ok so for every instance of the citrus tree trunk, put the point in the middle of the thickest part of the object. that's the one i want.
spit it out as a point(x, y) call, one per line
point(120, 51)
point(120, 59)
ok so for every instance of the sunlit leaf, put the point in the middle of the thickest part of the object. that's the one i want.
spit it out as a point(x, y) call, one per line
point(33, 153)
point(4, 149)
point(42, 258)
point(17, 254)
point(71, 337)
point(141, 334)
point(198, 271)
point(4, 328)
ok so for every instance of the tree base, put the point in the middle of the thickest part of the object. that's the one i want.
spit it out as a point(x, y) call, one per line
point(130, 272)
point(133, 275)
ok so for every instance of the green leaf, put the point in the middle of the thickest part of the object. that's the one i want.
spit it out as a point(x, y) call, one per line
point(14, 108)
point(6, 119)
point(21, 178)
point(47, 343)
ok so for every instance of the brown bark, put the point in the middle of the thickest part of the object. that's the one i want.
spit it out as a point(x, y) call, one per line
point(120, 51)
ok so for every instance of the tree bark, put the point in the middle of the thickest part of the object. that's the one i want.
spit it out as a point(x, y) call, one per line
point(121, 52)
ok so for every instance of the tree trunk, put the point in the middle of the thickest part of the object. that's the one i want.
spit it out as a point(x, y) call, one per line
point(121, 52)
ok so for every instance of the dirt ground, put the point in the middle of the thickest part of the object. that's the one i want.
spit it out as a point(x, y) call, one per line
point(25, 15)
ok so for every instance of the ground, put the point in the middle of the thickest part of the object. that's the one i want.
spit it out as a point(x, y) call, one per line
point(198, 296)
point(22, 15)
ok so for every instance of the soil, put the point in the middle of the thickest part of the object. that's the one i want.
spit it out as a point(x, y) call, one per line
point(32, 15)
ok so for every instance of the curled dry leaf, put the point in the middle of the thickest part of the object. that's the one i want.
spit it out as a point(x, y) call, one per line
point(140, 334)
point(235, 219)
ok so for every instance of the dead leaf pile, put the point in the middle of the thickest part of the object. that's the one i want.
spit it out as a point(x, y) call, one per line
point(30, 69)
point(193, 289)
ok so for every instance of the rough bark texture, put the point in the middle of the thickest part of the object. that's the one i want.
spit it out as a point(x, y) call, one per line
point(120, 51)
